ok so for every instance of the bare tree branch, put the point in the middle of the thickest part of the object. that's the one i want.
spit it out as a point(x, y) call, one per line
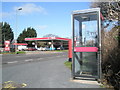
point(110, 10)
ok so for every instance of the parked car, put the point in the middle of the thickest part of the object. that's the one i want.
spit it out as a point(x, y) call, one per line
point(45, 49)
point(60, 48)
point(52, 48)
point(31, 49)
point(22, 48)
point(39, 49)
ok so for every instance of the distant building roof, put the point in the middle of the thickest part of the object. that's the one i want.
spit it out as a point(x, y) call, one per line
point(46, 38)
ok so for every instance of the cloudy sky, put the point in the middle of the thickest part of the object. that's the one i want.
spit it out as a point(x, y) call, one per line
point(45, 17)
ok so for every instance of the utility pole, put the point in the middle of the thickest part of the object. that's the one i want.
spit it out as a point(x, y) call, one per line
point(17, 27)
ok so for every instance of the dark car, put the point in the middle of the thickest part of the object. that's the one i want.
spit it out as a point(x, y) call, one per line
point(31, 49)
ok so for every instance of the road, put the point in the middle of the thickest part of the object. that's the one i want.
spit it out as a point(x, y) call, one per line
point(46, 70)
point(30, 56)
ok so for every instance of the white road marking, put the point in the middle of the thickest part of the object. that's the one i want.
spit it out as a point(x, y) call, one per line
point(39, 58)
point(13, 62)
point(28, 60)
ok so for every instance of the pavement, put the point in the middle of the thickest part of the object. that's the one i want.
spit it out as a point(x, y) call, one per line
point(44, 71)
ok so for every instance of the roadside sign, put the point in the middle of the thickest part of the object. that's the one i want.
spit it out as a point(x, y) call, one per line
point(7, 48)
point(7, 45)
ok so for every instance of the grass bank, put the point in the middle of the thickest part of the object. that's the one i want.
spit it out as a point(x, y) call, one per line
point(18, 52)
point(68, 64)
point(59, 51)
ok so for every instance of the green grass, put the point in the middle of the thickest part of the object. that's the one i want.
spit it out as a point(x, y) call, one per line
point(68, 64)
point(59, 50)
point(18, 52)
point(102, 86)
point(21, 52)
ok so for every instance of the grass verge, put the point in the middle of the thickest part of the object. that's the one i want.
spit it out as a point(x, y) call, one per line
point(68, 64)
point(18, 52)
point(21, 52)
point(59, 50)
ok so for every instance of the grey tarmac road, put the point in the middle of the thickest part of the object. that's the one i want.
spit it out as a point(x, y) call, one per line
point(48, 72)
point(30, 56)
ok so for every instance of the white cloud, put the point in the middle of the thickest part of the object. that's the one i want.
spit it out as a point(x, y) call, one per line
point(41, 27)
point(26, 9)
point(30, 8)
point(5, 14)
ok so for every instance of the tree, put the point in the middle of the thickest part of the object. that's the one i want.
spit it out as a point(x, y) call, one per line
point(110, 10)
point(0, 34)
point(31, 32)
point(6, 32)
point(27, 33)
point(21, 37)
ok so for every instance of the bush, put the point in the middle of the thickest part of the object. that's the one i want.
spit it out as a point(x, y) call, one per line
point(110, 55)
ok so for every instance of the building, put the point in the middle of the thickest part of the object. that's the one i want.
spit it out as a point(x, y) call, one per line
point(54, 43)
point(51, 42)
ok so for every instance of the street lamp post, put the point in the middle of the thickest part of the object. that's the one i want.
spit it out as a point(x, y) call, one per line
point(17, 27)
